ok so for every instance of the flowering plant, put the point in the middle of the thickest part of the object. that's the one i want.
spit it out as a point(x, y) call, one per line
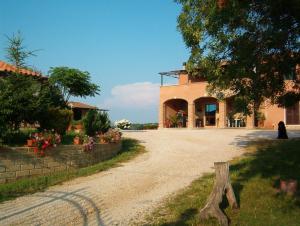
point(111, 136)
point(123, 124)
point(89, 145)
point(43, 141)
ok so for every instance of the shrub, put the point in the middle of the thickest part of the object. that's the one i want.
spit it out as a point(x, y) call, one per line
point(150, 126)
point(57, 119)
point(17, 138)
point(123, 124)
point(105, 122)
point(96, 121)
point(136, 126)
point(68, 138)
point(111, 136)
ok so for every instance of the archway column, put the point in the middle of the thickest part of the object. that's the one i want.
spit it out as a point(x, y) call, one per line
point(162, 110)
point(191, 115)
point(250, 120)
point(222, 114)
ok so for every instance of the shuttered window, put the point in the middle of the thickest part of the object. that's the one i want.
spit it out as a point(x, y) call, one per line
point(293, 115)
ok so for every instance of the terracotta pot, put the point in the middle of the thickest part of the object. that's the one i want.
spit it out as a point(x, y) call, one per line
point(288, 186)
point(103, 141)
point(30, 142)
point(76, 141)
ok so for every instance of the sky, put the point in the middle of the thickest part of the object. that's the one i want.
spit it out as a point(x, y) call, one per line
point(123, 44)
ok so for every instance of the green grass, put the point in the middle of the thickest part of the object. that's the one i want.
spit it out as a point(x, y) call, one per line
point(130, 149)
point(255, 179)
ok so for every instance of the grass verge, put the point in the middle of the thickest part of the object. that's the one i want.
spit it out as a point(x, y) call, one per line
point(255, 179)
point(130, 149)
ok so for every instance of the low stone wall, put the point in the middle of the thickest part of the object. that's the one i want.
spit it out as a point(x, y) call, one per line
point(21, 162)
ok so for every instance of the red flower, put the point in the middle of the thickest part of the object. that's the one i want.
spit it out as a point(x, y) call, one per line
point(35, 150)
point(42, 153)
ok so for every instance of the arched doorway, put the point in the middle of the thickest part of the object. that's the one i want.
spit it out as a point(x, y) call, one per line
point(206, 112)
point(175, 113)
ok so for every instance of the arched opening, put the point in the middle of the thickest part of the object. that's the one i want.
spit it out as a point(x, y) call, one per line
point(234, 118)
point(206, 112)
point(175, 113)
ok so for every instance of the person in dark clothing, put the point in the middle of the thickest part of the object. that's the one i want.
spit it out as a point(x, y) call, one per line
point(282, 131)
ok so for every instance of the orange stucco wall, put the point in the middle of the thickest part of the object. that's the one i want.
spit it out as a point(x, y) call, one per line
point(183, 79)
point(273, 115)
point(190, 90)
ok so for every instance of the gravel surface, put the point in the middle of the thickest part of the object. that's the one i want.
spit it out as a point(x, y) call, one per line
point(121, 195)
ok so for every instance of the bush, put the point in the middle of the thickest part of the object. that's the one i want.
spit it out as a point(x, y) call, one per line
point(140, 126)
point(68, 138)
point(57, 119)
point(17, 138)
point(136, 126)
point(150, 126)
point(105, 122)
point(96, 121)
point(123, 124)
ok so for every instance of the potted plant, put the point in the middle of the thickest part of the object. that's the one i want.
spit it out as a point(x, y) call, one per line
point(31, 140)
point(103, 139)
point(76, 140)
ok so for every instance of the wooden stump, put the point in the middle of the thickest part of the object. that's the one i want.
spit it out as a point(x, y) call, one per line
point(222, 186)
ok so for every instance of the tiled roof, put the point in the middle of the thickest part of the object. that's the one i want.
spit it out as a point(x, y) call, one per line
point(5, 67)
point(73, 104)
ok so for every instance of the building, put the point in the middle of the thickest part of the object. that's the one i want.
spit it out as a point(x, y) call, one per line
point(187, 104)
point(7, 69)
point(80, 109)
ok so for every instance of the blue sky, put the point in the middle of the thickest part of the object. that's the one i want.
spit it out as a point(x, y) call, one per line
point(122, 43)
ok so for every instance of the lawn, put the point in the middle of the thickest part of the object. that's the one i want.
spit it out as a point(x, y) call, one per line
point(255, 179)
point(130, 149)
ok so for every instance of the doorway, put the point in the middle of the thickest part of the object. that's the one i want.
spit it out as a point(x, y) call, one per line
point(210, 114)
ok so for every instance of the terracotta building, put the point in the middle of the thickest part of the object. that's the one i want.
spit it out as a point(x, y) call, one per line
point(187, 104)
point(7, 69)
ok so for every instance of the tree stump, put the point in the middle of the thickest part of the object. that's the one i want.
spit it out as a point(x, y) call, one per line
point(222, 186)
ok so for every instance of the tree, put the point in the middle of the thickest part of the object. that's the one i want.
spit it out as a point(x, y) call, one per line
point(246, 48)
point(96, 121)
point(72, 82)
point(16, 53)
point(24, 98)
point(17, 100)
point(56, 119)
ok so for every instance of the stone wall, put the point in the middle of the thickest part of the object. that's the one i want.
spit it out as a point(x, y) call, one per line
point(21, 162)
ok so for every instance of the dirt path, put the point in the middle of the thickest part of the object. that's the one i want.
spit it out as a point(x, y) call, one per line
point(114, 197)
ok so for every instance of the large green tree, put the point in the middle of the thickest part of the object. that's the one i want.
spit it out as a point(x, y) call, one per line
point(72, 82)
point(16, 52)
point(24, 98)
point(244, 47)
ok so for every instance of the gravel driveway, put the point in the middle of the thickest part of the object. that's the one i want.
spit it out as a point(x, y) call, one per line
point(114, 197)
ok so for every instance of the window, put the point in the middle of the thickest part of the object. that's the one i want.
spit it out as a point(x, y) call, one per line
point(210, 114)
point(293, 115)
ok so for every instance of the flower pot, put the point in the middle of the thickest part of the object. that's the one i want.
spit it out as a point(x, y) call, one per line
point(103, 141)
point(30, 142)
point(76, 141)
point(288, 186)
